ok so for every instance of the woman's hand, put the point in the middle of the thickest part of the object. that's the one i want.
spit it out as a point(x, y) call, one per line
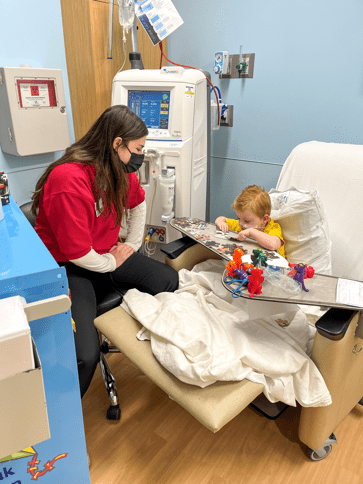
point(121, 252)
point(221, 224)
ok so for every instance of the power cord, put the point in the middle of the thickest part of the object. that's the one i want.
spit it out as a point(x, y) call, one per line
point(191, 67)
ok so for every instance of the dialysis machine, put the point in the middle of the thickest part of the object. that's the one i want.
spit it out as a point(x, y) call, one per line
point(173, 102)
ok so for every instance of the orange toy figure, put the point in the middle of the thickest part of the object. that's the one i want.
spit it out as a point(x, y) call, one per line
point(255, 279)
point(237, 257)
point(231, 266)
point(246, 266)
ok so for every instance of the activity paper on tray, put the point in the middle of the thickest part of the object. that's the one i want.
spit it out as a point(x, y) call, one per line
point(350, 292)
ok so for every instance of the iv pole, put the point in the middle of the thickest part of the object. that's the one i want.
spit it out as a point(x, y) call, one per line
point(134, 55)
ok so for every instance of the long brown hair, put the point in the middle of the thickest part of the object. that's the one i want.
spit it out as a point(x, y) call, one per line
point(96, 148)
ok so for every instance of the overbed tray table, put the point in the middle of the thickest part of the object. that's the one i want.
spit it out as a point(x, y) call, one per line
point(322, 289)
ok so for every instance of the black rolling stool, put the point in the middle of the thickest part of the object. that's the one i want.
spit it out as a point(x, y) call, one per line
point(107, 301)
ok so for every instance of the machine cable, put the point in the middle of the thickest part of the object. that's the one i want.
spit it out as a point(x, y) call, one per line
point(191, 67)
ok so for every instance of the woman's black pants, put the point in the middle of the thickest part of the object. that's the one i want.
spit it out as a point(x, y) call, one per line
point(138, 271)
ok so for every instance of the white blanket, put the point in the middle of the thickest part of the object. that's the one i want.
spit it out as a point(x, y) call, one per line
point(201, 335)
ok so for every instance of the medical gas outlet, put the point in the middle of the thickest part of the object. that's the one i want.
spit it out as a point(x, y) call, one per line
point(221, 62)
point(240, 66)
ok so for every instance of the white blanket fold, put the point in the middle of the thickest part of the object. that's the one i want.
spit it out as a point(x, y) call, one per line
point(201, 335)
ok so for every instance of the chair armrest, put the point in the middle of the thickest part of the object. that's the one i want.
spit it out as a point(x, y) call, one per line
point(334, 323)
point(177, 247)
point(185, 253)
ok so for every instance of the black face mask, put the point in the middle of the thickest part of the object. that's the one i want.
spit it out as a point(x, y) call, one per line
point(135, 162)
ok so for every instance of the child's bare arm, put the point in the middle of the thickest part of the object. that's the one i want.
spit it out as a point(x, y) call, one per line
point(221, 223)
point(269, 242)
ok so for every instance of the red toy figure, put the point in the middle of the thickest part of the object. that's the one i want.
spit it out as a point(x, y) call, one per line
point(255, 279)
point(309, 271)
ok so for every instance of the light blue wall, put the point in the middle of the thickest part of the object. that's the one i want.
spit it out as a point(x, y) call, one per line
point(307, 85)
point(32, 33)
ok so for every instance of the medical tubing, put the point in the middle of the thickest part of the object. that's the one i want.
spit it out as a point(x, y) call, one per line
point(224, 109)
point(148, 247)
point(124, 50)
point(148, 214)
point(196, 68)
point(219, 92)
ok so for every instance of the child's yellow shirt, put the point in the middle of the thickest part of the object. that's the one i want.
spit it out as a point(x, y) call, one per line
point(272, 228)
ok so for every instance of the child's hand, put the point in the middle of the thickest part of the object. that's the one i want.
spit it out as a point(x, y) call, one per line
point(221, 224)
point(243, 234)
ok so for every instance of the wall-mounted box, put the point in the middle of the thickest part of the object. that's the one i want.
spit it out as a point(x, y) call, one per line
point(33, 111)
point(23, 410)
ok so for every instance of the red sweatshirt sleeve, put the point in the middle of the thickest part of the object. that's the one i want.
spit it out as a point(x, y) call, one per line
point(136, 192)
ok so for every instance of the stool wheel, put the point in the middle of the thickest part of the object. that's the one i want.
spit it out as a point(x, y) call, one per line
point(114, 412)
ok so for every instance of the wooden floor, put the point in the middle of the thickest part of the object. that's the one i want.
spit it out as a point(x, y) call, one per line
point(158, 442)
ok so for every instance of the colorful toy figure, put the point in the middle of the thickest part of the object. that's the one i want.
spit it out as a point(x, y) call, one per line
point(235, 263)
point(300, 274)
point(255, 281)
point(231, 266)
point(240, 274)
point(237, 257)
point(246, 266)
point(308, 273)
point(259, 257)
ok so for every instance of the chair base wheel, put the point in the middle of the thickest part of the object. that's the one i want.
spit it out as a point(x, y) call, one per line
point(324, 451)
point(114, 412)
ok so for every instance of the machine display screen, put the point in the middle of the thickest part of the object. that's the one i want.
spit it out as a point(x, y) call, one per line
point(153, 107)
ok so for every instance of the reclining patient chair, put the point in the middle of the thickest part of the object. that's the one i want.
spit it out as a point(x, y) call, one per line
point(336, 172)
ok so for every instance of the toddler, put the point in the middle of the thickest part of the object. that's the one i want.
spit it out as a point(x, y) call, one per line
point(253, 208)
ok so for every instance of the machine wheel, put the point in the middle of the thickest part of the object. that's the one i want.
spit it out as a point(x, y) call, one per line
point(323, 451)
point(114, 412)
